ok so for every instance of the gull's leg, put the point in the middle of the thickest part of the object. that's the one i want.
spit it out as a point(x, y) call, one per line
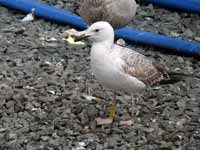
point(130, 121)
point(132, 105)
point(112, 111)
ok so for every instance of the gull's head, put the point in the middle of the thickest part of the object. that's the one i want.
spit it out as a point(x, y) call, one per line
point(99, 32)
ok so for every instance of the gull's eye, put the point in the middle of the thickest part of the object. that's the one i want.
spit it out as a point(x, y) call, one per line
point(96, 30)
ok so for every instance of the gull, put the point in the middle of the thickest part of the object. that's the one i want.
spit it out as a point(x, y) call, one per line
point(118, 67)
point(117, 12)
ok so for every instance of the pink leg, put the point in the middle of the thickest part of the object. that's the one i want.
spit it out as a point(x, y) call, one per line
point(132, 106)
point(129, 122)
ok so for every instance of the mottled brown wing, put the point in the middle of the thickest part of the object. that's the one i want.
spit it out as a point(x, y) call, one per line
point(139, 66)
point(91, 10)
point(117, 12)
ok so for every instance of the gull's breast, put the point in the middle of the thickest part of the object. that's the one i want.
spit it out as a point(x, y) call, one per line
point(105, 73)
point(109, 74)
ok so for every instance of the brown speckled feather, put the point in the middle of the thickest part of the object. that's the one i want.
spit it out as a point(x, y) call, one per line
point(117, 12)
point(137, 65)
point(90, 10)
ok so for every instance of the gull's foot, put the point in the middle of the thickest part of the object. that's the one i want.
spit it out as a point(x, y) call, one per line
point(106, 121)
point(121, 42)
point(126, 123)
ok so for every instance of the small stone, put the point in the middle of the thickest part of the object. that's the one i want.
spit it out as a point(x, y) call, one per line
point(3, 130)
point(12, 136)
point(126, 123)
point(197, 39)
point(44, 138)
point(82, 144)
point(188, 33)
point(180, 59)
point(174, 34)
point(180, 123)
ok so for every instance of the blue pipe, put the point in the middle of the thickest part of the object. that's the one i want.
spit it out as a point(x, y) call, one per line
point(45, 11)
point(181, 46)
point(185, 5)
point(54, 14)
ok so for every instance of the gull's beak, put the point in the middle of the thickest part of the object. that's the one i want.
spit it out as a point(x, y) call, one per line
point(82, 35)
point(77, 35)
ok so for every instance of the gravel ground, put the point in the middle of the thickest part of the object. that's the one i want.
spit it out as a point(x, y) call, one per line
point(47, 91)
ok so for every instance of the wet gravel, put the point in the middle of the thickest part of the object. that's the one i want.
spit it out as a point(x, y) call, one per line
point(49, 98)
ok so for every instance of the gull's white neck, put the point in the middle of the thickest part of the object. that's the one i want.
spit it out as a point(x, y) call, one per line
point(99, 52)
point(102, 47)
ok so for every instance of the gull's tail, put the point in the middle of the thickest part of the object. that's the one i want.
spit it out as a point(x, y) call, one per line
point(175, 77)
point(170, 77)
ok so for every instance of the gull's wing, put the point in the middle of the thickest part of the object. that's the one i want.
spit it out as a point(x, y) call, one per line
point(139, 66)
point(91, 10)
point(119, 12)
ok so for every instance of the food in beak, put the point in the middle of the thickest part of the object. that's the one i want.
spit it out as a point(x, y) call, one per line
point(73, 37)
